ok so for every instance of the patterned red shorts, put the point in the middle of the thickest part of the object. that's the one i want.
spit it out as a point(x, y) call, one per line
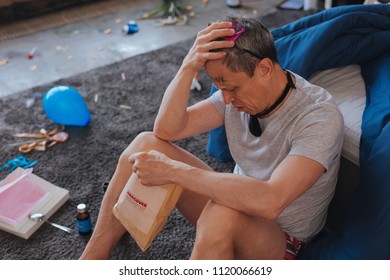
point(293, 247)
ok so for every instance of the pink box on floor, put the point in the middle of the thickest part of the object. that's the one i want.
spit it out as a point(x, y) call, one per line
point(22, 193)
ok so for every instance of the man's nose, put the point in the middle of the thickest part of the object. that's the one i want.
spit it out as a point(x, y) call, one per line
point(227, 97)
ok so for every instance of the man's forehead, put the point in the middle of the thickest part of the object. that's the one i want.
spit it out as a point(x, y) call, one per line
point(216, 70)
point(218, 79)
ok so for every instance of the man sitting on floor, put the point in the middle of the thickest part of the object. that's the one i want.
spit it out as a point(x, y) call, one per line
point(284, 134)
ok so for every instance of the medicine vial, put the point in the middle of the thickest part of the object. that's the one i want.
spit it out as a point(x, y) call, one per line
point(83, 222)
point(233, 3)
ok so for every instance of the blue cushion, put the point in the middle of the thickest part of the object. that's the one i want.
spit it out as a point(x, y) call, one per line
point(365, 231)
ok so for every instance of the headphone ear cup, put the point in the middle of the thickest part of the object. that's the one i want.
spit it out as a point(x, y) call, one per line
point(254, 126)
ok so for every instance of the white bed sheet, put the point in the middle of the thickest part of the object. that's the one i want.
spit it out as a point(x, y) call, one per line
point(347, 87)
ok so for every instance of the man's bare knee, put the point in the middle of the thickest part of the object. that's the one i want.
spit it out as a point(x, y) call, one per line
point(216, 229)
point(214, 210)
point(142, 142)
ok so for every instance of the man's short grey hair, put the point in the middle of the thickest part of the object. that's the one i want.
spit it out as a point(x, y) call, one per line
point(250, 47)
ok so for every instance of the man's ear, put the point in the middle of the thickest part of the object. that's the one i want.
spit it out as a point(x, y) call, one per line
point(265, 68)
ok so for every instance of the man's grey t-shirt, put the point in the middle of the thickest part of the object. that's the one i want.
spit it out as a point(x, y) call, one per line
point(308, 124)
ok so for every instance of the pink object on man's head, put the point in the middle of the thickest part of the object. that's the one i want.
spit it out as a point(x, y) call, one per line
point(235, 36)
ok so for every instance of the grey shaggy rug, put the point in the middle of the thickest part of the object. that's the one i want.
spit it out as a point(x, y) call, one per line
point(89, 157)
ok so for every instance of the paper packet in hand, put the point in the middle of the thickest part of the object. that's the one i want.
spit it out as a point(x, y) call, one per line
point(143, 211)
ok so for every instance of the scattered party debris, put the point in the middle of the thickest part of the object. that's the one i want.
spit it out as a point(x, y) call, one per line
point(125, 107)
point(31, 54)
point(171, 12)
point(37, 94)
point(30, 102)
point(20, 161)
point(107, 31)
point(195, 82)
point(123, 76)
point(42, 139)
point(170, 20)
point(118, 21)
point(96, 98)
point(33, 67)
point(4, 61)
point(62, 48)
point(130, 28)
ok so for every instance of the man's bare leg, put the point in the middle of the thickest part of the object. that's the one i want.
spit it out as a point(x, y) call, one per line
point(108, 230)
point(224, 233)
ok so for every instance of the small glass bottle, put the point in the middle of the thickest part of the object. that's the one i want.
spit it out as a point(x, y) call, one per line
point(84, 225)
point(233, 3)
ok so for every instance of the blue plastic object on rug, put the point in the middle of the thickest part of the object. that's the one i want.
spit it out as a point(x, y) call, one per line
point(64, 105)
point(20, 161)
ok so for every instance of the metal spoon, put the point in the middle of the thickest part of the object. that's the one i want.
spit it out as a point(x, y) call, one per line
point(38, 217)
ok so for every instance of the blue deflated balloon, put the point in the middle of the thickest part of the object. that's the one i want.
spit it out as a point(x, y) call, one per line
point(64, 105)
